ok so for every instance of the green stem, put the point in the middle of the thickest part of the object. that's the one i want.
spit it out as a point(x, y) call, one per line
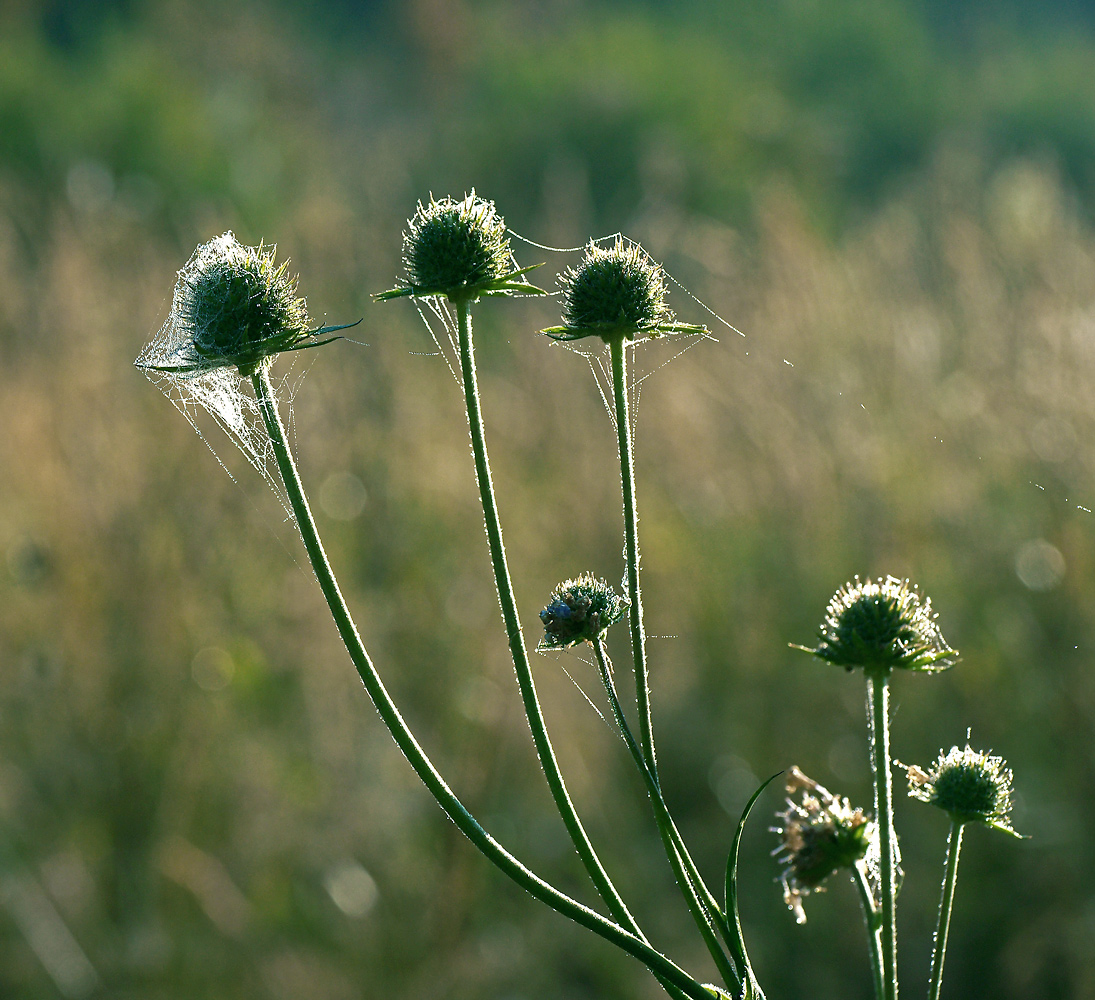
point(874, 925)
point(878, 683)
point(521, 665)
point(631, 548)
point(946, 901)
point(704, 911)
point(629, 942)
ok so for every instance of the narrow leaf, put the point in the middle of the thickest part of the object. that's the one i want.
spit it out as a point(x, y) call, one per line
point(750, 987)
point(392, 293)
point(331, 329)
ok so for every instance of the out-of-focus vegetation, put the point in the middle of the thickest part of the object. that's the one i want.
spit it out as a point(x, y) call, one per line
point(894, 204)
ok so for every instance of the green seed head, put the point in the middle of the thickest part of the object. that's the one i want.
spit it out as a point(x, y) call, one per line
point(236, 307)
point(820, 835)
point(971, 787)
point(580, 610)
point(615, 292)
point(456, 248)
point(882, 625)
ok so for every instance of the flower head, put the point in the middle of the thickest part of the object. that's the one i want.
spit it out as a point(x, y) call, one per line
point(880, 625)
point(234, 307)
point(459, 250)
point(970, 786)
point(821, 834)
point(616, 292)
point(580, 610)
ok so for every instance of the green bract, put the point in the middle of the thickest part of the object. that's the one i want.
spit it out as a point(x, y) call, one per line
point(820, 835)
point(882, 625)
point(616, 292)
point(580, 610)
point(233, 307)
point(970, 786)
point(459, 250)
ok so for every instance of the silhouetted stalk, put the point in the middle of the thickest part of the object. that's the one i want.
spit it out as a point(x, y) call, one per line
point(618, 351)
point(701, 904)
point(878, 683)
point(873, 921)
point(661, 966)
point(946, 901)
point(521, 665)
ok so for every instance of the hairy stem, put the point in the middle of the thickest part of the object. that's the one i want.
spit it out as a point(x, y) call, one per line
point(946, 901)
point(873, 920)
point(878, 683)
point(629, 942)
point(631, 549)
point(701, 904)
point(521, 665)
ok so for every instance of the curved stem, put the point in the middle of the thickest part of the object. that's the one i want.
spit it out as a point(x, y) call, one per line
point(631, 549)
point(405, 740)
point(701, 904)
point(521, 665)
point(878, 683)
point(874, 924)
point(946, 901)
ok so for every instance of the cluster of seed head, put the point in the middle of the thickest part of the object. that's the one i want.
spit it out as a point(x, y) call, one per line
point(579, 611)
point(456, 248)
point(615, 291)
point(881, 625)
point(970, 786)
point(234, 306)
point(821, 834)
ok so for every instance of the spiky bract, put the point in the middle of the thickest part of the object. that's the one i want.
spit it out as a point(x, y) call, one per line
point(820, 835)
point(579, 611)
point(970, 786)
point(881, 625)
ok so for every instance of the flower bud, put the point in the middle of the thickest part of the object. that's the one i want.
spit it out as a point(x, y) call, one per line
point(616, 292)
point(879, 626)
point(580, 611)
point(459, 250)
point(971, 787)
point(821, 835)
point(232, 307)
point(240, 307)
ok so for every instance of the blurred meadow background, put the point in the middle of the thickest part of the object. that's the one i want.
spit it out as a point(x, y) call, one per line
point(894, 200)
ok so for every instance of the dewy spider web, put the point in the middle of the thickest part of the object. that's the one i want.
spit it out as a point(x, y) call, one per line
point(219, 390)
point(441, 324)
point(226, 396)
point(596, 357)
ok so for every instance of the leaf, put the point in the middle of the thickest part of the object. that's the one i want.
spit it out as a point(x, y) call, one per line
point(392, 293)
point(750, 989)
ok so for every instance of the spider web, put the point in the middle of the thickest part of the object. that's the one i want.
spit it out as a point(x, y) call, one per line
point(440, 322)
point(169, 362)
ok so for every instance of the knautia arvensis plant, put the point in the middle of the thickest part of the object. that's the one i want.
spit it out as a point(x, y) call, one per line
point(879, 627)
point(820, 834)
point(236, 309)
point(580, 610)
point(970, 787)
